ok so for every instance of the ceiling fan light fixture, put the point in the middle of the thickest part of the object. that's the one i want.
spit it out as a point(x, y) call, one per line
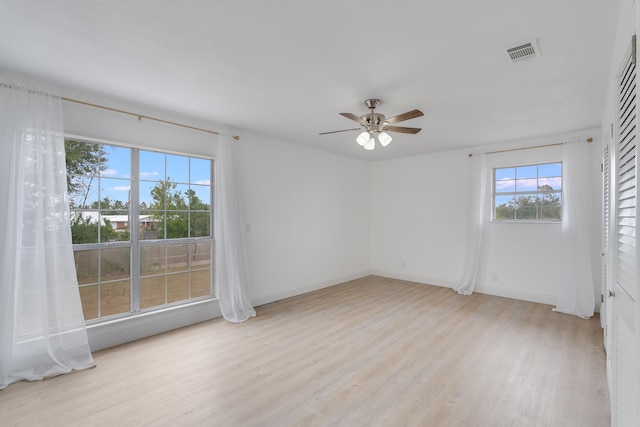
point(363, 138)
point(384, 138)
point(371, 144)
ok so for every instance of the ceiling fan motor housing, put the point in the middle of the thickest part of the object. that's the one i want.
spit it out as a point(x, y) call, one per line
point(375, 122)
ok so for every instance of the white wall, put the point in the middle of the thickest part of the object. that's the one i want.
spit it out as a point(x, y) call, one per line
point(308, 213)
point(419, 223)
point(418, 217)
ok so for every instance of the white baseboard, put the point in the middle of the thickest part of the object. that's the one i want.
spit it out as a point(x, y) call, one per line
point(412, 278)
point(266, 299)
point(120, 331)
point(488, 290)
point(517, 294)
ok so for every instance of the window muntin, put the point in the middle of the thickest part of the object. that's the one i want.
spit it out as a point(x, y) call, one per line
point(168, 259)
point(528, 193)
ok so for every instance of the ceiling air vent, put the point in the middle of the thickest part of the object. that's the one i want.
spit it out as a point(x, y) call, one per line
point(524, 51)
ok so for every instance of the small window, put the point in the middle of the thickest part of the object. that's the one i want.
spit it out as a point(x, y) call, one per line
point(528, 193)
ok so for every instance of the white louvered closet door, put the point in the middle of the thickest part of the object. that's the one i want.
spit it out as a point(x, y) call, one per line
point(624, 340)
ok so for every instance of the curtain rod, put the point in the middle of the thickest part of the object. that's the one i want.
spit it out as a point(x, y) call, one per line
point(143, 116)
point(528, 148)
point(139, 116)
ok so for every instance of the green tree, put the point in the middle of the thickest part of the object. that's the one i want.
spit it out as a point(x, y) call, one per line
point(170, 209)
point(200, 224)
point(109, 207)
point(84, 163)
point(544, 206)
point(83, 230)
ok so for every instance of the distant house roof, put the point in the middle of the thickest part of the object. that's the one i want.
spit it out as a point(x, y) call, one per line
point(93, 216)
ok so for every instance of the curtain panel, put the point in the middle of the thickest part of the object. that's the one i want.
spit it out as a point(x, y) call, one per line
point(576, 293)
point(476, 228)
point(232, 270)
point(42, 330)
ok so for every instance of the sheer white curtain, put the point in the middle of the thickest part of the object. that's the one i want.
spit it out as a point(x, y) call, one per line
point(477, 214)
point(42, 330)
point(232, 271)
point(576, 294)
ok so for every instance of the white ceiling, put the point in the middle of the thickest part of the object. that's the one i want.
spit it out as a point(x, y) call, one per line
point(286, 68)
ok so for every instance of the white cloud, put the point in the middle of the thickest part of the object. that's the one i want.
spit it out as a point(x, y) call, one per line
point(109, 172)
point(503, 184)
point(203, 182)
point(121, 188)
point(148, 174)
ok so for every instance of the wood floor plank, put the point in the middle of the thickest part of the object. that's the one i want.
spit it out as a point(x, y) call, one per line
point(373, 351)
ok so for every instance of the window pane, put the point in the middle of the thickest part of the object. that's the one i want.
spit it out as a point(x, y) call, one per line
point(200, 224)
point(117, 226)
point(528, 212)
point(117, 163)
point(526, 185)
point(151, 225)
point(526, 172)
point(177, 197)
point(550, 213)
point(152, 291)
point(151, 195)
point(550, 199)
point(201, 255)
point(83, 159)
point(176, 224)
point(152, 166)
point(89, 299)
point(115, 298)
point(177, 168)
point(200, 170)
point(505, 173)
point(83, 191)
point(504, 207)
point(199, 197)
point(114, 264)
point(152, 260)
point(114, 193)
point(177, 258)
point(177, 287)
point(84, 227)
point(200, 283)
point(506, 186)
point(550, 170)
point(547, 184)
point(86, 266)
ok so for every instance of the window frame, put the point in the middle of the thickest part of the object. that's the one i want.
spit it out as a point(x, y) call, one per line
point(495, 194)
point(135, 243)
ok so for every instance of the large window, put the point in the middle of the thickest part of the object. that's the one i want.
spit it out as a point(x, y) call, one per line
point(529, 193)
point(141, 225)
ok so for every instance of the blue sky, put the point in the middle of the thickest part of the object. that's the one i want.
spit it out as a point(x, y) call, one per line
point(528, 178)
point(115, 179)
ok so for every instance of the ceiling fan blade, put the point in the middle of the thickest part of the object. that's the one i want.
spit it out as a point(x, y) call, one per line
point(402, 129)
point(405, 116)
point(336, 131)
point(353, 117)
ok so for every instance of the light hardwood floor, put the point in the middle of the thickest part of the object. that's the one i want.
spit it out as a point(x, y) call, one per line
point(373, 351)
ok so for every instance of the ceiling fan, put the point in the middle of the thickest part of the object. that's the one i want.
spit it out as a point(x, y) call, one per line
point(376, 125)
